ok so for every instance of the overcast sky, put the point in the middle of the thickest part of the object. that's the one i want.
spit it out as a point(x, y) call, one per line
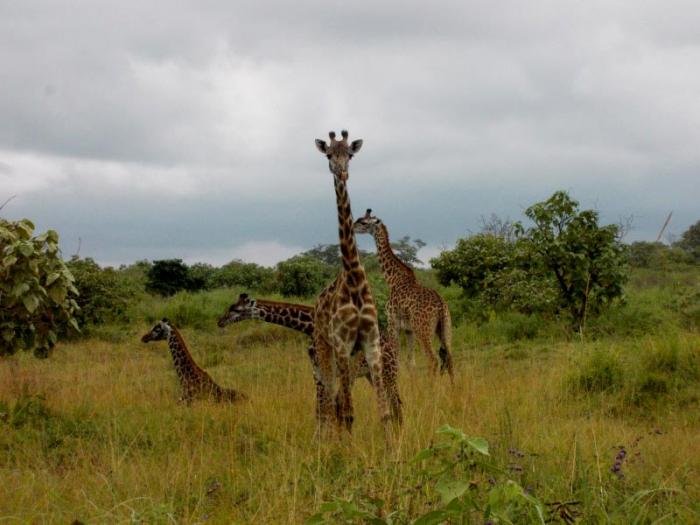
point(185, 129)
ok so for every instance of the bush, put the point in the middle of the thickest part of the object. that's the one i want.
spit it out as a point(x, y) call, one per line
point(167, 277)
point(104, 294)
point(249, 276)
point(37, 294)
point(303, 276)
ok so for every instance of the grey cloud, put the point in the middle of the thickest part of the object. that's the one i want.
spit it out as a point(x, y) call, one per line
point(166, 126)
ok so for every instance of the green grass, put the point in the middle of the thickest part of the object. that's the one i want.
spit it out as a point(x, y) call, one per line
point(95, 433)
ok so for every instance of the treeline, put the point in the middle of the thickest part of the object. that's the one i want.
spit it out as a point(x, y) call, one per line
point(561, 265)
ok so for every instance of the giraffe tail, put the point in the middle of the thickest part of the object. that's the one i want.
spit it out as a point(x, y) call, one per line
point(444, 333)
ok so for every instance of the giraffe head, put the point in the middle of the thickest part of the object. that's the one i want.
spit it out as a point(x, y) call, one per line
point(160, 332)
point(243, 309)
point(368, 223)
point(339, 153)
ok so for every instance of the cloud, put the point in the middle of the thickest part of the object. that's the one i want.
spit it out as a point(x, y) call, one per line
point(180, 127)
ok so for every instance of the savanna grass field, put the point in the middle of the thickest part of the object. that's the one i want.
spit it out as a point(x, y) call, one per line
point(601, 427)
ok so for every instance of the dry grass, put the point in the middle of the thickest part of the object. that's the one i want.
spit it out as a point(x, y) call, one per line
point(115, 446)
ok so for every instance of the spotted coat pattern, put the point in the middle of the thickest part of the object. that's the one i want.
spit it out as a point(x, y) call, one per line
point(413, 308)
point(300, 317)
point(194, 382)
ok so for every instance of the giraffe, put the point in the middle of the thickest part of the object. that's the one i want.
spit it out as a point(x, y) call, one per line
point(300, 317)
point(194, 381)
point(412, 307)
point(345, 317)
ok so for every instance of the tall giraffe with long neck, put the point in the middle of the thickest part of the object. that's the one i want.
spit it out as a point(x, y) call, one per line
point(300, 317)
point(194, 381)
point(345, 315)
point(413, 308)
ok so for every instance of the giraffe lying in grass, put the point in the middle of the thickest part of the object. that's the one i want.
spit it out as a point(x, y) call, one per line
point(412, 307)
point(194, 381)
point(300, 317)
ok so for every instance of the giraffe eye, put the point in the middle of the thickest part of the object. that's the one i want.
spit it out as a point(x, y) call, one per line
point(350, 156)
point(328, 156)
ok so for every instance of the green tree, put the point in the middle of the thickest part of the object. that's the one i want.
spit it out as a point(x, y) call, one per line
point(37, 294)
point(104, 292)
point(250, 276)
point(407, 250)
point(690, 241)
point(303, 276)
point(587, 260)
point(167, 277)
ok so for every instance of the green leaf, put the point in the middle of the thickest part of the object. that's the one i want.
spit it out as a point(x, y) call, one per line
point(52, 277)
point(74, 324)
point(31, 302)
point(9, 261)
point(26, 249)
point(20, 289)
point(57, 293)
point(452, 432)
point(479, 444)
point(316, 519)
point(451, 489)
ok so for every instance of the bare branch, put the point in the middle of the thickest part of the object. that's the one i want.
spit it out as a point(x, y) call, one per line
point(8, 200)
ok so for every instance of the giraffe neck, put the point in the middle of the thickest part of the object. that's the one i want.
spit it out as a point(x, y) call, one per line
point(348, 246)
point(295, 316)
point(394, 269)
point(185, 366)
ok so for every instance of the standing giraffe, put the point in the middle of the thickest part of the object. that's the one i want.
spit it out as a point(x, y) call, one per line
point(412, 307)
point(345, 317)
point(300, 317)
point(194, 381)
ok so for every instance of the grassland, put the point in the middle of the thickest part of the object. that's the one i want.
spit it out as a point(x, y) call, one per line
point(95, 432)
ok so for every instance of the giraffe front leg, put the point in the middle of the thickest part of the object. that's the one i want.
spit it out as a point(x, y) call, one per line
point(325, 363)
point(411, 348)
point(344, 406)
point(371, 347)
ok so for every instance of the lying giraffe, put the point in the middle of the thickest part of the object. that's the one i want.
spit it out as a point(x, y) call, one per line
point(345, 317)
point(300, 317)
point(194, 381)
point(412, 307)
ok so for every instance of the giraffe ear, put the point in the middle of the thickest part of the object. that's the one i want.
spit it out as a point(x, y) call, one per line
point(252, 303)
point(355, 146)
point(322, 146)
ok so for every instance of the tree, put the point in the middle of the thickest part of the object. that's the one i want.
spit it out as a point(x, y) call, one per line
point(104, 293)
point(167, 277)
point(250, 276)
point(587, 260)
point(407, 250)
point(303, 276)
point(37, 294)
point(326, 253)
point(690, 241)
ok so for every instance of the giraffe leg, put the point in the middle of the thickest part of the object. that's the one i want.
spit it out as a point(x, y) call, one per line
point(370, 345)
point(317, 380)
point(444, 333)
point(425, 341)
point(411, 347)
point(326, 395)
point(344, 406)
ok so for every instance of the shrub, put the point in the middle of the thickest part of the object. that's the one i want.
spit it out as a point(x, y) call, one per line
point(250, 276)
point(167, 277)
point(303, 276)
point(104, 294)
point(37, 294)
